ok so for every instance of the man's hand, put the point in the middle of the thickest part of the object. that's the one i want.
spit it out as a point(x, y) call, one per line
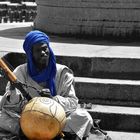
point(45, 93)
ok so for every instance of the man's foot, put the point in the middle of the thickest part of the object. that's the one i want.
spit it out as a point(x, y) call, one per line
point(84, 138)
point(97, 135)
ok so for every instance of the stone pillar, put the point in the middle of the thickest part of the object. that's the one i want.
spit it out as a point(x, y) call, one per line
point(88, 17)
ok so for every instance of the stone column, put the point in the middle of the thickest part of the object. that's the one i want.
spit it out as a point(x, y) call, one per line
point(88, 17)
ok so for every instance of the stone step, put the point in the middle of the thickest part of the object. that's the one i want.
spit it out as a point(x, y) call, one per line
point(97, 67)
point(98, 58)
point(102, 91)
point(103, 67)
point(3, 83)
point(108, 91)
point(116, 118)
point(116, 135)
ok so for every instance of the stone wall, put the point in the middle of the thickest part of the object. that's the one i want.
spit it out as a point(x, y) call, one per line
point(88, 17)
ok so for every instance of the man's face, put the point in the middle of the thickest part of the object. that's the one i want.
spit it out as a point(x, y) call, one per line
point(40, 55)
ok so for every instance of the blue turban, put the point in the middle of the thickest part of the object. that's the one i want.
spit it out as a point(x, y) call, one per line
point(48, 74)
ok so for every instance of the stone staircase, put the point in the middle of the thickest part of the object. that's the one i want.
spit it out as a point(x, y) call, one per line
point(110, 82)
point(112, 85)
point(115, 101)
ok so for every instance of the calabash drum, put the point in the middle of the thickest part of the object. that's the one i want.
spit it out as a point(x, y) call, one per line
point(42, 119)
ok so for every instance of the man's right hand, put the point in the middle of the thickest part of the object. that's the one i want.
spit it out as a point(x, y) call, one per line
point(45, 93)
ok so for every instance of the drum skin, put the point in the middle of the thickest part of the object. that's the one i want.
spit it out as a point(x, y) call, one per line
point(42, 118)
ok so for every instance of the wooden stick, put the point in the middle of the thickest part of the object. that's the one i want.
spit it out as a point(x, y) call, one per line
point(8, 72)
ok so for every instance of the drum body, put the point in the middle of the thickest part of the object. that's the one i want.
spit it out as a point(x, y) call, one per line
point(42, 119)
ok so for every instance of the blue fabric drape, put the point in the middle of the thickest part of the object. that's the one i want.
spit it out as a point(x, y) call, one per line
point(48, 74)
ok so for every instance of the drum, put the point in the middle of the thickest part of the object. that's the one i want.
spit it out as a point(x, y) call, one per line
point(42, 118)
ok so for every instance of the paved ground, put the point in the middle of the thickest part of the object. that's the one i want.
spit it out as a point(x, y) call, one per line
point(12, 36)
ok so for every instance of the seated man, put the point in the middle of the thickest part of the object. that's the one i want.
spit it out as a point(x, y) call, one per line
point(42, 72)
